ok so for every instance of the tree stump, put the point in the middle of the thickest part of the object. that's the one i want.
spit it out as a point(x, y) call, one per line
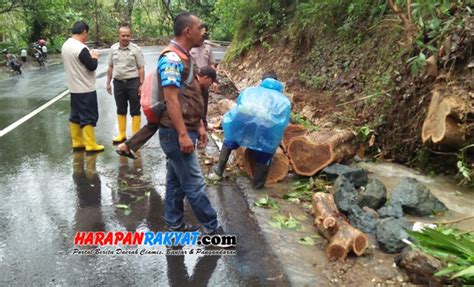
point(291, 132)
point(343, 237)
point(447, 110)
point(310, 154)
point(278, 169)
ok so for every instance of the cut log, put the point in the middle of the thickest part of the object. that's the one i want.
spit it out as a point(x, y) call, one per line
point(310, 154)
point(447, 110)
point(278, 169)
point(343, 237)
point(291, 132)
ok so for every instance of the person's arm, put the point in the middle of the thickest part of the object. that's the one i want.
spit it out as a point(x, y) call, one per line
point(109, 79)
point(202, 132)
point(140, 59)
point(141, 76)
point(89, 60)
point(109, 72)
point(173, 106)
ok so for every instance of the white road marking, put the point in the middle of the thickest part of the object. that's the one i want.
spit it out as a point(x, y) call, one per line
point(32, 114)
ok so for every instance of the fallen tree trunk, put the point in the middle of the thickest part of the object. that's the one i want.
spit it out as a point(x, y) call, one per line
point(278, 169)
point(343, 237)
point(447, 110)
point(291, 132)
point(310, 154)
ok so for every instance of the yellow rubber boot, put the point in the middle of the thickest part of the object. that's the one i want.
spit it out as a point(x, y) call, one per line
point(122, 126)
point(136, 121)
point(89, 139)
point(76, 136)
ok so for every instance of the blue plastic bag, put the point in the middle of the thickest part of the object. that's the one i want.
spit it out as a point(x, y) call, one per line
point(260, 117)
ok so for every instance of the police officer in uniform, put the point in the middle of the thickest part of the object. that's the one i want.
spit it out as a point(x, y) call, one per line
point(127, 69)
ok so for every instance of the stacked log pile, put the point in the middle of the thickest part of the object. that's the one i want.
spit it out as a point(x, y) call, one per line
point(307, 153)
point(343, 237)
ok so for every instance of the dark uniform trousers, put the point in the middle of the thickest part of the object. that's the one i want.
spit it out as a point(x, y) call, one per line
point(127, 91)
point(84, 109)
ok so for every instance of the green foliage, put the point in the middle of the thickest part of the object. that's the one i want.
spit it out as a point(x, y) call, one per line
point(303, 189)
point(454, 247)
point(433, 20)
point(308, 240)
point(250, 21)
point(464, 170)
point(298, 118)
point(281, 221)
point(364, 133)
point(314, 17)
point(266, 202)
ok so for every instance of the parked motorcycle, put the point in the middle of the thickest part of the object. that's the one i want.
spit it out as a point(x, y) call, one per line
point(12, 62)
point(38, 54)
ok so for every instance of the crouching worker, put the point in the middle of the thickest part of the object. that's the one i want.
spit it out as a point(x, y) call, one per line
point(206, 76)
point(257, 123)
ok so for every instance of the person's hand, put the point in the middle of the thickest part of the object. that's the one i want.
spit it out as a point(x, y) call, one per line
point(185, 143)
point(109, 89)
point(95, 54)
point(202, 137)
point(139, 92)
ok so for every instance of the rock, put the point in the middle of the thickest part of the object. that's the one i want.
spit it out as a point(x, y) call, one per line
point(357, 175)
point(390, 233)
point(362, 219)
point(421, 268)
point(415, 198)
point(345, 195)
point(373, 195)
point(391, 210)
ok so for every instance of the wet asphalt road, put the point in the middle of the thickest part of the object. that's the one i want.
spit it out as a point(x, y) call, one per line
point(47, 193)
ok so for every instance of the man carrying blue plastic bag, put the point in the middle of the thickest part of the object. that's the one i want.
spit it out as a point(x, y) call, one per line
point(257, 123)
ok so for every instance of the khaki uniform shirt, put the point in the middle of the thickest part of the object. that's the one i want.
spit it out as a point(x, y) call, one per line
point(202, 55)
point(125, 61)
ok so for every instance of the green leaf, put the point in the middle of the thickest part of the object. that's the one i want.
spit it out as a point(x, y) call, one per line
point(468, 272)
point(275, 224)
point(122, 206)
point(306, 241)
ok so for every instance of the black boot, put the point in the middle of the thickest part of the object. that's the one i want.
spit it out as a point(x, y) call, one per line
point(223, 158)
point(260, 173)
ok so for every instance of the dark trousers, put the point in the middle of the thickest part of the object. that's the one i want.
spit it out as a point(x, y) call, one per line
point(126, 91)
point(141, 137)
point(259, 156)
point(205, 96)
point(84, 109)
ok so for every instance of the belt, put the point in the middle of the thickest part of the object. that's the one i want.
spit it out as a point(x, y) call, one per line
point(125, 80)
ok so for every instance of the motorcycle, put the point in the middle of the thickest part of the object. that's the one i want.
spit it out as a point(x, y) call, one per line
point(38, 54)
point(13, 63)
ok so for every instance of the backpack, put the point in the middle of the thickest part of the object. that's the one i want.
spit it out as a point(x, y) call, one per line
point(151, 98)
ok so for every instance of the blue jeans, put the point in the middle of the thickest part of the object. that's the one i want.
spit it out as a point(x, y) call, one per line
point(184, 178)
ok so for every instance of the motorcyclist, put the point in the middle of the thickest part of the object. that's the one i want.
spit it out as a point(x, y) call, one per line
point(11, 61)
point(38, 53)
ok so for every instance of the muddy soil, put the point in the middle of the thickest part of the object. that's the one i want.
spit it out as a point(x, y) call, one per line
point(305, 265)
